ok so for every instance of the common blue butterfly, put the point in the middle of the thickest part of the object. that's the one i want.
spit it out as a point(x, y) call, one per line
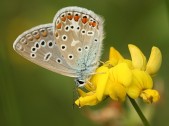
point(70, 46)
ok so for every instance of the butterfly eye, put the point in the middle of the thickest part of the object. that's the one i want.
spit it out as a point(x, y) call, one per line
point(80, 82)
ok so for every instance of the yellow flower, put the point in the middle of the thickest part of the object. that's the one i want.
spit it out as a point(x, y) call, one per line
point(154, 61)
point(96, 88)
point(142, 71)
point(141, 80)
point(86, 99)
point(139, 60)
point(150, 95)
point(108, 82)
point(120, 77)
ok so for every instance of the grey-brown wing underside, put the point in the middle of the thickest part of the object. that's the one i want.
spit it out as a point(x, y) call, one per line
point(39, 46)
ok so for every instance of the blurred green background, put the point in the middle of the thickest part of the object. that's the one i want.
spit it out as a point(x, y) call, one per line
point(33, 96)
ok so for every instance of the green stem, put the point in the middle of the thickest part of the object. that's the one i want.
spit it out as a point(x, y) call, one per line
point(135, 105)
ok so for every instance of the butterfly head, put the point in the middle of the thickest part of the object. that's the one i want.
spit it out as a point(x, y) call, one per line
point(79, 82)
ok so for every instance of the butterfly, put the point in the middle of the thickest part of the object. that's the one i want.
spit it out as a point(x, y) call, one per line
point(70, 46)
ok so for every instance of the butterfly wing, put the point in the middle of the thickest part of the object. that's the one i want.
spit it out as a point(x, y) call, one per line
point(79, 34)
point(38, 45)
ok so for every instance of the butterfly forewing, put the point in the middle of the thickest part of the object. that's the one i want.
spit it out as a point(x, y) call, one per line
point(79, 35)
point(39, 46)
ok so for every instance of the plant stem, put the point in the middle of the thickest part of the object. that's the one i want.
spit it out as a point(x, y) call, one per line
point(139, 112)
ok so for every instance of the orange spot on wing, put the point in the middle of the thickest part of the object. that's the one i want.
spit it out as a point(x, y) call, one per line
point(30, 37)
point(94, 23)
point(37, 36)
point(76, 18)
point(90, 23)
point(56, 34)
point(44, 33)
point(84, 20)
point(63, 18)
point(58, 26)
point(70, 17)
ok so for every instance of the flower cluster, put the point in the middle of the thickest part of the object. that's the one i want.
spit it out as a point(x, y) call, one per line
point(120, 77)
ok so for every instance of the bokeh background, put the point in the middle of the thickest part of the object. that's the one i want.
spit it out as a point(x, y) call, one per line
point(33, 96)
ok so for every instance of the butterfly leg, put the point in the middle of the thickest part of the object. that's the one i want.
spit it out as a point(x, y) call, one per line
point(75, 94)
point(102, 62)
point(90, 84)
point(97, 73)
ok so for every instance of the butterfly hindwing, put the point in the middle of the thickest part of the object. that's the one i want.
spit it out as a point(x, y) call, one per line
point(39, 46)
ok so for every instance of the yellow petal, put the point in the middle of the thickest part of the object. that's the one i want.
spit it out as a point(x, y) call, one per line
point(121, 74)
point(138, 58)
point(134, 89)
point(114, 56)
point(87, 100)
point(117, 91)
point(154, 61)
point(129, 63)
point(140, 80)
point(90, 87)
point(81, 92)
point(150, 96)
point(144, 79)
point(101, 80)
